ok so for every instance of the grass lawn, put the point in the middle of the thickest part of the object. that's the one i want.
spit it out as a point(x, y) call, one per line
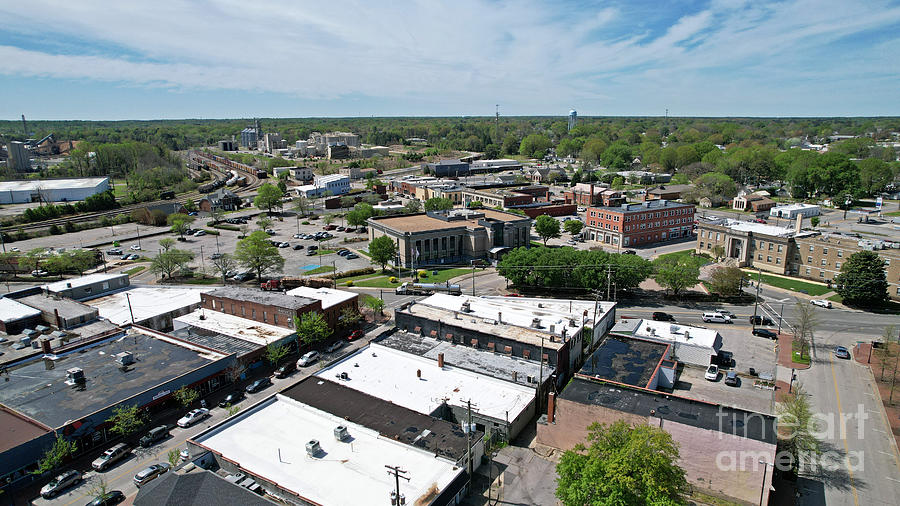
point(364, 253)
point(892, 213)
point(135, 270)
point(201, 281)
point(384, 281)
point(688, 254)
point(120, 190)
point(795, 354)
point(326, 252)
point(792, 284)
point(359, 277)
point(319, 270)
point(836, 298)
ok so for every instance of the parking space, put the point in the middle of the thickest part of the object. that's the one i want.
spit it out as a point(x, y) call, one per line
point(748, 350)
point(691, 383)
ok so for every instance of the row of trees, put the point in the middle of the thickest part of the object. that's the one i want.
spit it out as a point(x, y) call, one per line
point(570, 268)
point(72, 261)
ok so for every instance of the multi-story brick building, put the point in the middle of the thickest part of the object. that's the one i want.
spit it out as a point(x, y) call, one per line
point(586, 195)
point(506, 197)
point(274, 308)
point(637, 224)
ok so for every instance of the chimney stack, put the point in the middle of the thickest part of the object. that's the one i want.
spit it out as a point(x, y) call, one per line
point(45, 345)
point(441, 360)
point(799, 225)
point(515, 376)
point(551, 406)
point(419, 373)
point(59, 324)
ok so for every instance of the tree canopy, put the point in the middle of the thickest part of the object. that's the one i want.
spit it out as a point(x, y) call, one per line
point(438, 204)
point(676, 273)
point(311, 327)
point(382, 250)
point(255, 252)
point(863, 279)
point(546, 227)
point(570, 268)
point(268, 197)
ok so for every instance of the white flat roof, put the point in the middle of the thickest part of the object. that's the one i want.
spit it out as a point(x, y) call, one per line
point(320, 180)
point(793, 207)
point(270, 440)
point(12, 310)
point(758, 228)
point(51, 184)
point(390, 375)
point(88, 280)
point(328, 296)
point(234, 326)
point(672, 332)
point(146, 302)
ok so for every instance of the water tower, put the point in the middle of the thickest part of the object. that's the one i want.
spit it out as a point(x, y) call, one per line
point(573, 117)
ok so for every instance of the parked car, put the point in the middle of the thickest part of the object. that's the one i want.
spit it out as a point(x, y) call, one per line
point(125, 256)
point(135, 247)
point(297, 247)
point(270, 231)
point(39, 273)
point(308, 358)
point(108, 499)
point(59, 483)
point(133, 257)
point(285, 370)
point(662, 317)
point(351, 256)
point(334, 346)
point(258, 385)
point(193, 416)
point(761, 320)
point(149, 474)
point(244, 276)
point(110, 457)
point(114, 251)
point(731, 379)
point(155, 435)
point(725, 312)
point(768, 334)
point(340, 229)
point(356, 334)
point(314, 247)
point(193, 213)
point(629, 252)
point(841, 352)
point(712, 373)
point(200, 233)
point(821, 303)
point(343, 251)
point(716, 318)
point(232, 398)
point(329, 227)
point(284, 245)
point(310, 252)
point(297, 236)
point(215, 256)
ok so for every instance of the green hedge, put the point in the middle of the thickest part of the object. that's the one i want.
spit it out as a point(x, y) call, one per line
point(351, 273)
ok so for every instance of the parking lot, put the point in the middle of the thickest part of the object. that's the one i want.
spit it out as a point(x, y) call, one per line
point(748, 350)
point(745, 395)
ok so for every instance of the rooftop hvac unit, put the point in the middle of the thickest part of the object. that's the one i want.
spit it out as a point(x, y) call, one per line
point(125, 358)
point(75, 376)
point(572, 323)
point(536, 323)
point(465, 308)
point(313, 448)
point(687, 334)
point(530, 378)
point(552, 329)
point(340, 433)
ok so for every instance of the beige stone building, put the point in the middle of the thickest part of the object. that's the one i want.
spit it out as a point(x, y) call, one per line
point(820, 258)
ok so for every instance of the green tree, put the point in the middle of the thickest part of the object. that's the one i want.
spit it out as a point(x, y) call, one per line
point(573, 226)
point(438, 204)
point(413, 206)
point(166, 243)
point(168, 262)
point(797, 427)
point(224, 264)
point(814, 221)
point(126, 419)
point(593, 150)
point(55, 455)
point(276, 352)
point(328, 219)
point(264, 223)
point(534, 144)
point(255, 252)
point(82, 260)
point(726, 281)
point(301, 205)
point(546, 227)
point(311, 328)
point(874, 175)
point(186, 396)
point(382, 250)
point(618, 183)
point(268, 197)
point(863, 279)
point(676, 274)
point(718, 251)
point(179, 223)
point(805, 325)
point(174, 457)
point(623, 465)
point(360, 214)
point(375, 304)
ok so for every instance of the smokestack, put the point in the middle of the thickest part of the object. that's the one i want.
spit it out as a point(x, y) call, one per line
point(419, 373)
point(551, 406)
point(441, 360)
point(24, 126)
point(591, 198)
point(799, 225)
point(515, 376)
point(59, 324)
point(45, 346)
point(499, 316)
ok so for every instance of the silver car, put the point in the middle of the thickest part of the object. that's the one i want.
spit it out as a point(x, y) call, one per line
point(149, 473)
point(60, 483)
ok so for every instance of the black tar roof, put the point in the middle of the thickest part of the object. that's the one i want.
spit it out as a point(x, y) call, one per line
point(625, 360)
point(277, 299)
point(195, 489)
point(216, 341)
point(699, 414)
point(38, 389)
point(390, 420)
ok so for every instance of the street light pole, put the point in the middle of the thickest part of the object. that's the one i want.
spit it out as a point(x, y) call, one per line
point(756, 306)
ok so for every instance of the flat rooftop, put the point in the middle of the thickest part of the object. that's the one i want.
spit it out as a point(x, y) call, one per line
point(146, 302)
point(67, 308)
point(642, 402)
point(795, 207)
point(329, 296)
point(51, 184)
point(257, 333)
point(625, 360)
point(753, 227)
point(680, 334)
point(422, 222)
point(90, 279)
point(496, 365)
point(390, 420)
point(214, 340)
point(269, 440)
point(37, 388)
point(12, 310)
point(269, 298)
point(18, 429)
point(390, 374)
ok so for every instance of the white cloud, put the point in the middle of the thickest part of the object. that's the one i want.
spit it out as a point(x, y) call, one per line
point(532, 55)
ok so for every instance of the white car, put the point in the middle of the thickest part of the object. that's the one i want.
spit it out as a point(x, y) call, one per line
point(38, 273)
point(821, 303)
point(60, 483)
point(199, 233)
point(193, 417)
point(712, 373)
point(309, 358)
point(135, 247)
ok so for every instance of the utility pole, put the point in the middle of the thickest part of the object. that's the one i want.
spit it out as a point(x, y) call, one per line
point(756, 306)
point(138, 228)
point(469, 437)
point(537, 398)
point(128, 297)
point(780, 317)
point(473, 278)
point(202, 263)
point(398, 473)
point(608, 277)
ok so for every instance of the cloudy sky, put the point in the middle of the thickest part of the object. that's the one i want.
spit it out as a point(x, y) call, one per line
point(84, 59)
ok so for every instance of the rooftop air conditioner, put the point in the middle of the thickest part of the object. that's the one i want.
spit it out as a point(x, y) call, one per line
point(536, 323)
point(340, 433)
point(313, 448)
point(75, 376)
point(125, 358)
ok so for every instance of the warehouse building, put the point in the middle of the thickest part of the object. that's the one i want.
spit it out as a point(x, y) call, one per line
point(149, 306)
point(16, 317)
point(86, 287)
point(51, 190)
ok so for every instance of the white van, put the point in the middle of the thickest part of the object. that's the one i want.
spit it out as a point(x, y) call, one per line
point(716, 318)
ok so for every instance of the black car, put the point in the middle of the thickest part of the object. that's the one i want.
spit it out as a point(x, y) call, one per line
point(761, 320)
point(244, 276)
point(155, 435)
point(258, 385)
point(231, 398)
point(285, 370)
point(768, 334)
point(659, 316)
point(629, 252)
point(108, 499)
point(298, 246)
point(731, 379)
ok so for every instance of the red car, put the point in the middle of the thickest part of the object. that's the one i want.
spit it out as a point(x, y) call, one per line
point(356, 334)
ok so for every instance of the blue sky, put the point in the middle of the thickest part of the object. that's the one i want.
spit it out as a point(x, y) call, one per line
point(281, 58)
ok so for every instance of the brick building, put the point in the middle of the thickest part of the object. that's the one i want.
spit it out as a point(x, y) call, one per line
point(273, 308)
point(587, 195)
point(637, 224)
point(504, 198)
